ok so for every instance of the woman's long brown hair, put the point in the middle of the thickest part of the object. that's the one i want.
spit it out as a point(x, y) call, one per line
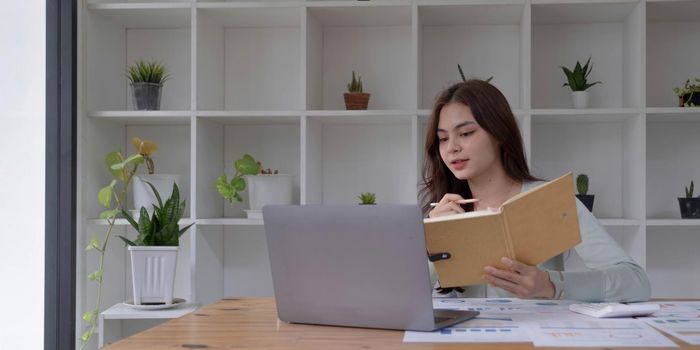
point(491, 110)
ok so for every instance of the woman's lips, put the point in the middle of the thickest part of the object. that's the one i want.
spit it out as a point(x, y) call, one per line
point(459, 164)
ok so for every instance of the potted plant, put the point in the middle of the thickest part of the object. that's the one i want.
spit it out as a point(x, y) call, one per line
point(464, 79)
point(154, 252)
point(146, 80)
point(582, 188)
point(688, 94)
point(367, 198)
point(355, 98)
point(265, 186)
point(112, 197)
point(690, 206)
point(143, 196)
point(577, 81)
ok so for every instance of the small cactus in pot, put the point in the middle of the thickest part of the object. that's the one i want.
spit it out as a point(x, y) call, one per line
point(355, 98)
point(582, 188)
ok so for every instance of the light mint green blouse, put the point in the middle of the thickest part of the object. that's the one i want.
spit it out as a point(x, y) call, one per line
point(612, 274)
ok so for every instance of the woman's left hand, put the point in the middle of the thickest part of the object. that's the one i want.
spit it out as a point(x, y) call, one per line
point(524, 281)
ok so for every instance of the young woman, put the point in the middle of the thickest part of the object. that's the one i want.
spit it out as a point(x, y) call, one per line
point(474, 150)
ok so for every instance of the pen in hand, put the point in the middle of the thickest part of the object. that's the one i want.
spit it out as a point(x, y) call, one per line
point(461, 201)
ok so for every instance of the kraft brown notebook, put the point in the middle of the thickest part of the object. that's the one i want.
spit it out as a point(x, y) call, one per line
point(531, 227)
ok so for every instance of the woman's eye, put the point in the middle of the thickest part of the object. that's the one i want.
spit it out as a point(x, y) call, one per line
point(442, 139)
point(466, 133)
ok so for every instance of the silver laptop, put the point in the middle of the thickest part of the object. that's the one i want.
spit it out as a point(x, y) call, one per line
point(353, 265)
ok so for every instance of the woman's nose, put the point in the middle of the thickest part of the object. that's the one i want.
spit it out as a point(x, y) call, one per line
point(453, 146)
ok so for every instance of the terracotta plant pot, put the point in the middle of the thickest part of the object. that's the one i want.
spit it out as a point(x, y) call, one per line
point(356, 100)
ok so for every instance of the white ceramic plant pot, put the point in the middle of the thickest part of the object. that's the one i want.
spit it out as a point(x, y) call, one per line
point(153, 273)
point(580, 99)
point(269, 189)
point(143, 194)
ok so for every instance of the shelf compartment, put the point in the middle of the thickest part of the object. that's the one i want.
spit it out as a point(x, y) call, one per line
point(672, 257)
point(227, 255)
point(339, 158)
point(610, 33)
point(248, 57)
point(485, 39)
point(107, 135)
point(605, 147)
point(372, 39)
point(120, 34)
point(272, 140)
point(671, 28)
point(671, 163)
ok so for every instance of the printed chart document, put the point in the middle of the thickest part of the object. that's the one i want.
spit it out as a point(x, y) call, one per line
point(578, 331)
point(685, 329)
point(678, 309)
point(485, 328)
point(493, 325)
point(531, 227)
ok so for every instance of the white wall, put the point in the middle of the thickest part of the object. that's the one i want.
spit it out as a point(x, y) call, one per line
point(22, 113)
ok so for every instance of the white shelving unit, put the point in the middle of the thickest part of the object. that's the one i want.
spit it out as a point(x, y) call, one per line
point(266, 77)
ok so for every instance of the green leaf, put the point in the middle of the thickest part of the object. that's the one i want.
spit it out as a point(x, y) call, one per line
point(89, 316)
point(569, 78)
point(182, 230)
point(155, 192)
point(109, 214)
point(171, 206)
point(225, 190)
point(130, 219)
point(585, 68)
point(247, 165)
point(461, 72)
point(115, 158)
point(127, 241)
point(86, 336)
point(238, 183)
point(134, 159)
point(106, 193)
point(96, 276)
point(145, 226)
point(94, 244)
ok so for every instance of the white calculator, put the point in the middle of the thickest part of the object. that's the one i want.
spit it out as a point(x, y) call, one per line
point(614, 309)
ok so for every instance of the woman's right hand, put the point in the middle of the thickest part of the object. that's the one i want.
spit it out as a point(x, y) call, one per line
point(447, 206)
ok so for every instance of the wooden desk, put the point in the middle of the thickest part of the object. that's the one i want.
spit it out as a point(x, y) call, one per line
point(253, 324)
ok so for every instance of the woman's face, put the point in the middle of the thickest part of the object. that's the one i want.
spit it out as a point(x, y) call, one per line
point(466, 148)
